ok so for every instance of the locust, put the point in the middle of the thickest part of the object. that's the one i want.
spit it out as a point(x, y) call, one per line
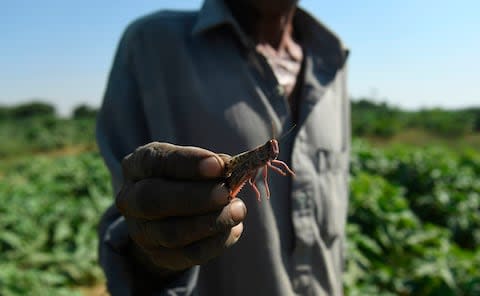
point(244, 167)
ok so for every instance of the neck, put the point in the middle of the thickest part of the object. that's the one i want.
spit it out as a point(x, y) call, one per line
point(273, 28)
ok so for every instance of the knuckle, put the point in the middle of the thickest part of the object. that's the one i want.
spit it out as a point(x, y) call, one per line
point(126, 162)
point(172, 240)
point(218, 224)
point(169, 235)
point(214, 224)
point(127, 199)
point(138, 196)
point(225, 221)
point(139, 189)
point(137, 231)
point(138, 165)
point(121, 198)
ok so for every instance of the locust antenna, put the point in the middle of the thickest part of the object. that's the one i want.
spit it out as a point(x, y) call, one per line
point(282, 137)
point(274, 130)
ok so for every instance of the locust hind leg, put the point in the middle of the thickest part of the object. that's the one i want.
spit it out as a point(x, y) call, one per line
point(265, 181)
point(251, 181)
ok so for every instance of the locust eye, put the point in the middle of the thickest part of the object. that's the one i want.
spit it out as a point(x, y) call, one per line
point(275, 148)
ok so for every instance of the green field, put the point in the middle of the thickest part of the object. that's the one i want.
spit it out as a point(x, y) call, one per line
point(414, 216)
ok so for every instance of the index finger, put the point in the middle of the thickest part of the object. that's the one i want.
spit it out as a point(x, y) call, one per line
point(166, 160)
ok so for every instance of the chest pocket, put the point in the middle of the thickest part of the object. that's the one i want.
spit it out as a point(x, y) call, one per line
point(331, 200)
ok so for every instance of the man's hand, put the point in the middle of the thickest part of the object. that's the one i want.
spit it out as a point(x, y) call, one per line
point(176, 208)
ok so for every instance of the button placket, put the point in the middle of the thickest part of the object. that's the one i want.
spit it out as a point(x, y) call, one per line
point(304, 238)
point(272, 90)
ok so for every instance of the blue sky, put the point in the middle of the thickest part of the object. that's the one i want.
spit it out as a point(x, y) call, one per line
point(411, 53)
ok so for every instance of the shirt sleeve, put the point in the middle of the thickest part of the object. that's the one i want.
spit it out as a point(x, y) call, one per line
point(121, 127)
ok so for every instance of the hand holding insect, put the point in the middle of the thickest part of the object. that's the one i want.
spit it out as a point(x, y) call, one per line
point(178, 211)
point(179, 202)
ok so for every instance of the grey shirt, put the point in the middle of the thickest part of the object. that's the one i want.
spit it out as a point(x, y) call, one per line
point(195, 78)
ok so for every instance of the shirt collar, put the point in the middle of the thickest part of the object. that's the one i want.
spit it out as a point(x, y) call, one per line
point(214, 14)
point(314, 36)
point(320, 40)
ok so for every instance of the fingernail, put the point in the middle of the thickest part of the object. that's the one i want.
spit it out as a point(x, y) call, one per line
point(238, 211)
point(220, 194)
point(237, 231)
point(235, 234)
point(210, 167)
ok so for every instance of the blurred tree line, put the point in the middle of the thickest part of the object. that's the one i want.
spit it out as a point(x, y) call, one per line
point(381, 120)
point(41, 109)
point(36, 126)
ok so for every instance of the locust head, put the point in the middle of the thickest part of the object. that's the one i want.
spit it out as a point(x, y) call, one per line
point(274, 150)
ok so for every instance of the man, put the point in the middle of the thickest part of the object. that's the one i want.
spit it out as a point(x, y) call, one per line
point(226, 79)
